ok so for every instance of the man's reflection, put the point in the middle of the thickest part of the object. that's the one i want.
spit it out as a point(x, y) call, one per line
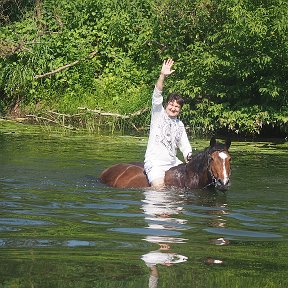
point(160, 208)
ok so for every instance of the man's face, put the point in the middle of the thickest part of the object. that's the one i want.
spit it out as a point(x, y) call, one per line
point(173, 109)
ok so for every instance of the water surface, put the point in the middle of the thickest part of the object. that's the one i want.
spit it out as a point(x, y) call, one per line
point(61, 227)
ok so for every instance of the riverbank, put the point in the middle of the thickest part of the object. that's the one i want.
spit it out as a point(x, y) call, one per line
point(25, 125)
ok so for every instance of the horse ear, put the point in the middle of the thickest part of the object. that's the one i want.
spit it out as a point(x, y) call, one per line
point(189, 157)
point(213, 141)
point(228, 143)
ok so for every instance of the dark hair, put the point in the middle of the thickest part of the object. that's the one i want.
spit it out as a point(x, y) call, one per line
point(175, 97)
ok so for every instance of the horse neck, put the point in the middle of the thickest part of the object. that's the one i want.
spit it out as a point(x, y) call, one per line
point(199, 162)
point(197, 170)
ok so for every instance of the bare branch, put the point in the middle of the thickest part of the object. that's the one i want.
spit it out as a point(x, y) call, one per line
point(90, 56)
point(56, 70)
point(99, 112)
point(37, 118)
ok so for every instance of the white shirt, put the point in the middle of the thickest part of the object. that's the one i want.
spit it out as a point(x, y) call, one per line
point(166, 135)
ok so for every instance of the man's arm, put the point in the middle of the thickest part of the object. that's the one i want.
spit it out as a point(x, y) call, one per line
point(185, 146)
point(165, 71)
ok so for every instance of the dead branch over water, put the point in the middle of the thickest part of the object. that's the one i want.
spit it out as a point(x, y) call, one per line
point(101, 113)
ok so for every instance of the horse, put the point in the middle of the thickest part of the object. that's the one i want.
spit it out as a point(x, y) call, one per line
point(209, 168)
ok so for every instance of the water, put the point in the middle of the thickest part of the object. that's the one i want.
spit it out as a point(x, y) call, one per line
point(60, 227)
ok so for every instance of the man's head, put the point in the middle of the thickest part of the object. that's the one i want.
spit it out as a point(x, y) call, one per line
point(174, 105)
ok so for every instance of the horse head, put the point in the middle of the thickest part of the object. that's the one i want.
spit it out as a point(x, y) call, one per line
point(219, 164)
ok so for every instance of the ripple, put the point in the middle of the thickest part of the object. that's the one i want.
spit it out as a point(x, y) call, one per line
point(197, 215)
point(239, 216)
point(165, 239)
point(96, 222)
point(242, 233)
point(38, 243)
point(146, 231)
point(122, 214)
point(23, 222)
point(125, 201)
point(257, 211)
point(97, 206)
point(79, 243)
point(8, 229)
point(30, 212)
point(9, 204)
point(259, 225)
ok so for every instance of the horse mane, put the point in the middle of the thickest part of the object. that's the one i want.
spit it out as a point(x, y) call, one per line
point(199, 161)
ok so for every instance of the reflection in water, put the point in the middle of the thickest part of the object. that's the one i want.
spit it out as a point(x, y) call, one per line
point(163, 213)
point(160, 208)
point(217, 209)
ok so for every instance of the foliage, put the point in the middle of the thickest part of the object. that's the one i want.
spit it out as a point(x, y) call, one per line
point(231, 58)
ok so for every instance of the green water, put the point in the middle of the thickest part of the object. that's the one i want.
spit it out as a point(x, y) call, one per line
point(60, 227)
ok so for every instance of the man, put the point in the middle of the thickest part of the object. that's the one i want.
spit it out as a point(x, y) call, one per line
point(167, 132)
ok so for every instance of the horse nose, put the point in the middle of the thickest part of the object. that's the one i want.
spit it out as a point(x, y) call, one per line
point(224, 182)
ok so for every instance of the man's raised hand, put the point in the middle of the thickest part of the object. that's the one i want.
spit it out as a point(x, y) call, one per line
point(166, 67)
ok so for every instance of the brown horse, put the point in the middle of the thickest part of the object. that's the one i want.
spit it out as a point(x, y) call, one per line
point(209, 168)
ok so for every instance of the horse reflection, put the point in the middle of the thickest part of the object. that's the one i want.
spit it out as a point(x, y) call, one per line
point(209, 168)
